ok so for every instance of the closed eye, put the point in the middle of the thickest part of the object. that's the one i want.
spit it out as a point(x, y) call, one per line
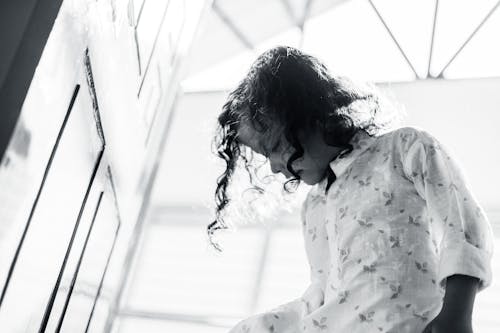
point(275, 147)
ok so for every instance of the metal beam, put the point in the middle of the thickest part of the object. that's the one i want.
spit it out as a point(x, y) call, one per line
point(394, 39)
point(289, 11)
point(469, 38)
point(305, 15)
point(232, 26)
point(432, 40)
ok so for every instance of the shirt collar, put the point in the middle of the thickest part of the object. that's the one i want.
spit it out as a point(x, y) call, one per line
point(360, 142)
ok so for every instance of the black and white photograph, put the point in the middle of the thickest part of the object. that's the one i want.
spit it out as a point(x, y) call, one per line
point(249, 166)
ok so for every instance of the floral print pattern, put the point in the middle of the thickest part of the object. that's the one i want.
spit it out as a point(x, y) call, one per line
point(381, 241)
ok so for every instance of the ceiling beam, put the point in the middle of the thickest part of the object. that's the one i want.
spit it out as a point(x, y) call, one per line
point(469, 38)
point(432, 40)
point(305, 15)
point(394, 38)
point(290, 13)
point(232, 26)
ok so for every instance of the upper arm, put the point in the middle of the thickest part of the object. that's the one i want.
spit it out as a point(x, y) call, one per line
point(457, 221)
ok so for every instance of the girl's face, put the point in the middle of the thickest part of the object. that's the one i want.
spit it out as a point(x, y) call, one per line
point(311, 167)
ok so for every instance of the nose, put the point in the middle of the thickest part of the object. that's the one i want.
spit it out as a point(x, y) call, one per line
point(275, 167)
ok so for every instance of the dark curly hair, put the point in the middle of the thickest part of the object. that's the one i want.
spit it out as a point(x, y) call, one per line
point(293, 91)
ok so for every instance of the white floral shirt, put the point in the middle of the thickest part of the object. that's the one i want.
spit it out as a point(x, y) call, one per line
point(398, 220)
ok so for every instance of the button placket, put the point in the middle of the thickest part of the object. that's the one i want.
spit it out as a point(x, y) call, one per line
point(332, 227)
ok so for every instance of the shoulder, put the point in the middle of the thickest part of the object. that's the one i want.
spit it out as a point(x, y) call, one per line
point(411, 144)
point(406, 132)
point(403, 138)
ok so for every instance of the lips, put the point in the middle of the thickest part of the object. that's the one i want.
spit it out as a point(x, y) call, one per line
point(289, 175)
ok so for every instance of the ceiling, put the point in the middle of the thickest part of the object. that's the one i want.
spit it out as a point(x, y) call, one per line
point(373, 40)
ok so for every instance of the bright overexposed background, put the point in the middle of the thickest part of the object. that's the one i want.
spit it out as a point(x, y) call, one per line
point(439, 59)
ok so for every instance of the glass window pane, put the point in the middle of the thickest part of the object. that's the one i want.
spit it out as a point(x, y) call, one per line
point(87, 290)
point(53, 221)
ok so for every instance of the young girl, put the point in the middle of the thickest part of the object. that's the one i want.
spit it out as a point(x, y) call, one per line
point(395, 240)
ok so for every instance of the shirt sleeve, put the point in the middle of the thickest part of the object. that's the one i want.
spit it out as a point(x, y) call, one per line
point(459, 225)
point(287, 317)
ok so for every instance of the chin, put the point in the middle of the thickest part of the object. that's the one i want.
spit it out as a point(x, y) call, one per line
point(304, 178)
point(307, 182)
point(310, 180)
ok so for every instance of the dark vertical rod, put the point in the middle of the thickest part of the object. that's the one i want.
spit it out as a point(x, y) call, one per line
point(75, 276)
point(140, 13)
point(93, 95)
point(102, 278)
point(44, 178)
point(153, 48)
point(52, 298)
point(118, 218)
point(137, 51)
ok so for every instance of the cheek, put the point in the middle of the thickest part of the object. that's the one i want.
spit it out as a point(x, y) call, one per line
point(305, 162)
point(312, 166)
point(302, 163)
